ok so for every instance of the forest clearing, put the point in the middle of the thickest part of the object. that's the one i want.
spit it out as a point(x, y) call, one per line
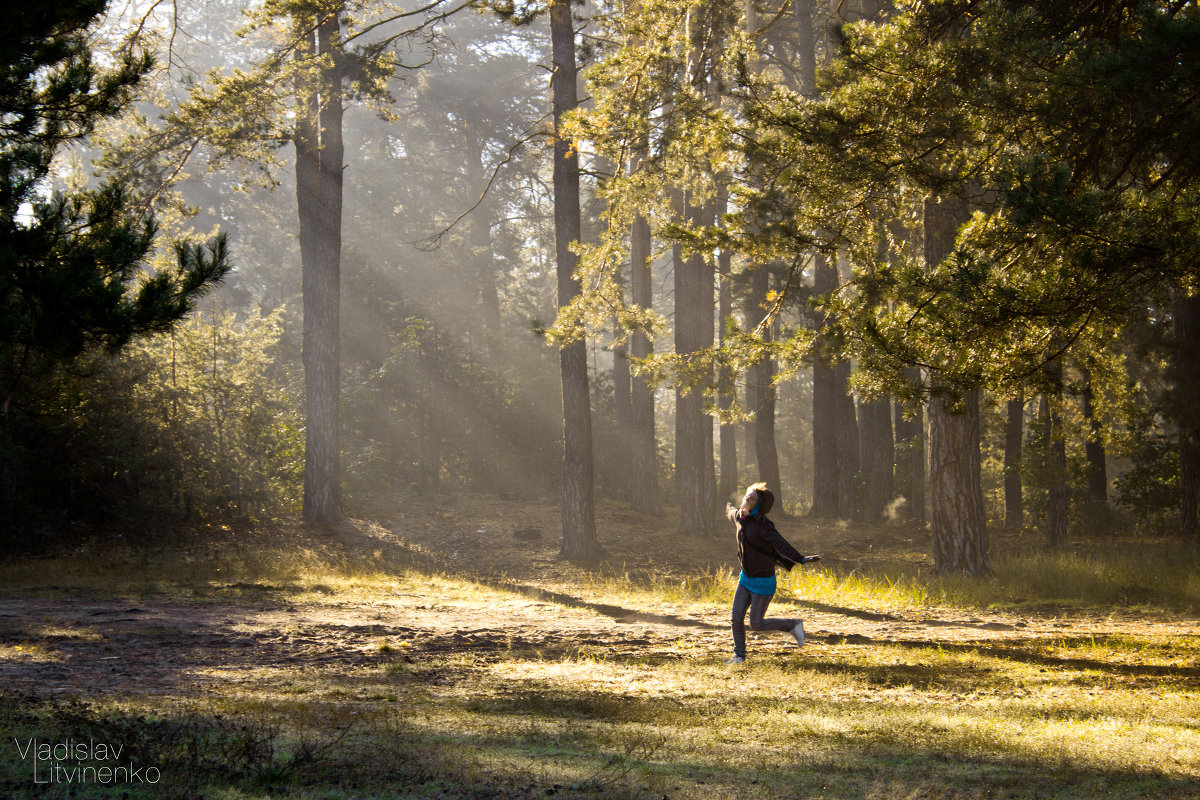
point(442, 656)
point(374, 375)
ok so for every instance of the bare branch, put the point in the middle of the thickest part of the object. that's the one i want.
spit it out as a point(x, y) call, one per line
point(433, 241)
point(427, 22)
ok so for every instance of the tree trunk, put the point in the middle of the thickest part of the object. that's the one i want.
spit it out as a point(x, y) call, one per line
point(877, 453)
point(622, 389)
point(1014, 438)
point(706, 311)
point(727, 485)
point(430, 391)
point(578, 504)
point(1055, 454)
point(643, 462)
point(960, 537)
point(920, 475)
point(319, 155)
point(824, 412)
point(847, 438)
point(750, 398)
point(693, 428)
point(825, 483)
point(1097, 460)
point(807, 53)
point(485, 325)
point(1056, 468)
point(959, 526)
point(910, 460)
point(623, 413)
point(750, 312)
point(762, 377)
point(1187, 384)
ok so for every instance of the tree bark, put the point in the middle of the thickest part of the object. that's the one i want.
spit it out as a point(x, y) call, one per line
point(693, 428)
point(1097, 459)
point(824, 411)
point(319, 156)
point(643, 462)
point(877, 454)
point(1187, 385)
point(749, 389)
point(707, 318)
point(762, 377)
point(1014, 438)
point(623, 412)
point(807, 54)
point(960, 536)
point(727, 486)
point(958, 522)
point(847, 442)
point(578, 504)
point(480, 236)
point(910, 460)
point(1056, 468)
point(1055, 454)
point(749, 300)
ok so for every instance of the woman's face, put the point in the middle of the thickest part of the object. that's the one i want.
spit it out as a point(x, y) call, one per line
point(749, 501)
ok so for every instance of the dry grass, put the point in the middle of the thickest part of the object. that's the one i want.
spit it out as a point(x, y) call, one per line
point(1049, 712)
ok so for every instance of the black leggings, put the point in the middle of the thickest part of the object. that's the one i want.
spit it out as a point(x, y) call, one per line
point(744, 599)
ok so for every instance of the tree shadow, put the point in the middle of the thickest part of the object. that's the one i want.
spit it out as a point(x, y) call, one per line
point(616, 613)
point(1023, 651)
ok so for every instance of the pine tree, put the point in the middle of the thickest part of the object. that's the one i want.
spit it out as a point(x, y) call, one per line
point(71, 264)
point(76, 270)
point(578, 503)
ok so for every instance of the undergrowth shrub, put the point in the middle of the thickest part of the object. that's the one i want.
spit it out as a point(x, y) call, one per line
point(198, 423)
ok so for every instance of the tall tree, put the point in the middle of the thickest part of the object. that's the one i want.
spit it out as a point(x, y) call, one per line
point(825, 461)
point(70, 263)
point(1186, 372)
point(1054, 456)
point(693, 427)
point(824, 411)
point(643, 462)
point(305, 60)
point(1014, 438)
point(847, 438)
point(726, 380)
point(877, 456)
point(762, 376)
point(77, 268)
point(761, 392)
point(578, 503)
point(319, 156)
point(1097, 462)
point(958, 523)
point(910, 458)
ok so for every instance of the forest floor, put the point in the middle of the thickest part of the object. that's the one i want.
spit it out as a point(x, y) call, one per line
point(455, 655)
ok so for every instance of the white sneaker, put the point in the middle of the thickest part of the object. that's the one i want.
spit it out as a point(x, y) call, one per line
point(736, 660)
point(798, 632)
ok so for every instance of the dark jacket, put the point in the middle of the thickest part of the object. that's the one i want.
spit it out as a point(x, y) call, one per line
point(761, 547)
